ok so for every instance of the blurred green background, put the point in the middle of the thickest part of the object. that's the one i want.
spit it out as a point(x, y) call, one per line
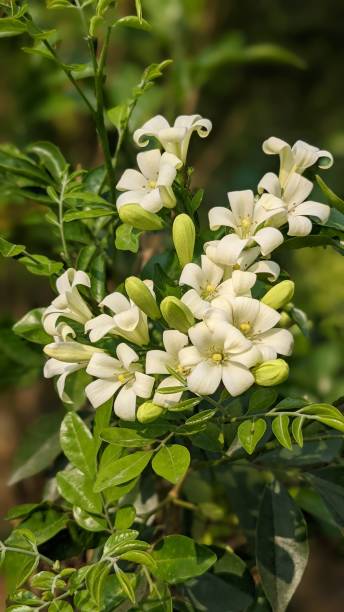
point(256, 69)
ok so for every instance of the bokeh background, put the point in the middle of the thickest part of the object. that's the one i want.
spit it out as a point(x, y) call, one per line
point(256, 69)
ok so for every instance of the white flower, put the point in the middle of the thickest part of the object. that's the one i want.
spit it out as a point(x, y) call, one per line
point(69, 302)
point(297, 158)
point(257, 322)
point(127, 321)
point(216, 251)
point(157, 362)
point(219, 352)
point(207, 283)
point(123, 373)
point(173, 139)
point(152, 187)
point(246, 218)
point(290, 202)
point(62, 369)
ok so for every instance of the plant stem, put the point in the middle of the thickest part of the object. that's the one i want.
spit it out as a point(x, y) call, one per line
point(61, 228)
point(29, 553)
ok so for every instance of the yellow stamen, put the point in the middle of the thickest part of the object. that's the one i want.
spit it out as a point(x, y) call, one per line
point(246, 223)
point(151, 184)
point(245, 327)
point(217, 357)
point(124, 377)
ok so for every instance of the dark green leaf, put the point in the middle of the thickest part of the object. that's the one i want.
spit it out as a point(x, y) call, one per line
point(331, 197)
point(121, 471)
point(77, 489)
point(125, 437)
point(282, 546)
point(329, 483)
point(45, 524)
point(78, 444)
point(50, 157)
point(30, 327)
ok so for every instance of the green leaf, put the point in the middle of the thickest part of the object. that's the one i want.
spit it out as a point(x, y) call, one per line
point(10, 26)
point(76, 488)
point(78, 444)
point(271, 53)
point(115, 542)
point(88, 197)
point(221, 594)
point(313, 452)
point(20, 511)
point(280, 427)
point(179, 558)
point(88, 521)
point(131, 21)
point(331, 197)
point(171, 462)
point(50, 158)
point(95, 580)
point(124, 469)
point(282, 546)
point(125, 517)
point(140, 557)
point(98, 277)
point(261, 400)
point(45, 524)
point(8, 249)
point(200, 417)
point(60, 606)
point(296, 429)
point(250, 433)
point(127, 238)
point(41, 265)
point(118, 116)
point(325, 413)
point(125, 437)
point(125, 583)
point(18, 566)
point(30, 327)
point(40, 447)
point(329, 483)
point(92, 213)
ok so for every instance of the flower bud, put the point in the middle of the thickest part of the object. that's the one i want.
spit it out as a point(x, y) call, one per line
point(148, 412)
point(138, 217)
point(183, 234)
point(270, 373)
point(279, 295)
point(71, 352)
point(140, 294)
point(176, 314)
point(285, 320)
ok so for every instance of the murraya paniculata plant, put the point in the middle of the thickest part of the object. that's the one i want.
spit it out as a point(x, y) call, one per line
point(174, 382)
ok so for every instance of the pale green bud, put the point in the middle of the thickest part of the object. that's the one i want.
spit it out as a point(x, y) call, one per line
point(71, 352)
point(270, 373)
point(279, 295)
point(183, 234)
point(176, 314)
point(138, 217)
point(140, 294)
point(148, 412)
point(285, 320)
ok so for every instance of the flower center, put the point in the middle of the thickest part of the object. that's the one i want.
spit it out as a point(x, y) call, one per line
point(245, 227)
point(182, 370)
point(151, 184)
point(124, 377)
point(209, 292)
point(245, 327)
point(236, 267)
point(217, 357)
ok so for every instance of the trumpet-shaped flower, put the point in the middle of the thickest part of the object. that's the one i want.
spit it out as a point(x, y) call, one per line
point(207, 283)
point(246, 218)
point(151, 188)
point(290, 201)
point(220, 352)
point(246, 262)
point(158, 362)
point(123, 374)
point(297, 158)
point(256, 322)
point(174, 139)
point(68, 303)
point(127, 320)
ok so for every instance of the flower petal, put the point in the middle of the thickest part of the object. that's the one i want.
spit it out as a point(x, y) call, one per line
point(126, 355)
point(131, 180)
point(102, 365)
point(241, 203)
point(236, 378)
point(297, 189)
point(128, 320)
point(125, 403)
point(189, 357)
point(298, 225)
point(281, 340)
point(268, 238)
point(197, 305)
point(174, 341)
point(205, 378)
point(150, 128)
point(99, 327)
point(201, 336)
point(143, 385)
point(212, 273)
point(149, 163)
point(193, 276)
point(220, 216)
point(116, 302)
point(131, 197)
point(99, 391)
point(266, 267)
point(314, 209)
point(270, 183)
point(242, 282)
point(156, 362)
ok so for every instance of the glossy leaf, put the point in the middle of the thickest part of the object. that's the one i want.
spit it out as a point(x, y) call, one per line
point(250, 433)
point(8, 249)
point(325, 413)
point(78, 444)
point(127, 238)
point(331, 197)
point(18, 566)
point(88, 521)
point(95, 580)
point(121, 436)
point(121, 471)
point(329, 484)
point(125, 517)
point(171, 462)
point(179, 558)
point(282, 546)
point(280, 427)
point(296, 428)
point(76, 488)
point(45, 524)
point(30, 327)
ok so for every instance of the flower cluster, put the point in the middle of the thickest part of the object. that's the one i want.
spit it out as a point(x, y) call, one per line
point(217, 331)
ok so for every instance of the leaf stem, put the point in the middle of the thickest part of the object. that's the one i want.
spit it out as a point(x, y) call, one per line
point(29, 553)
point(60, 210)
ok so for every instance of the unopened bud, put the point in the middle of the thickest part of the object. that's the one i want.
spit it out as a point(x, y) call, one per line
point(148, 412)
point(183, 234)
point(140, 294)
point(270, 373)
point(71, 352)
point(279, 295)
point(138, 217)
point(176, 314)
point(285, 320)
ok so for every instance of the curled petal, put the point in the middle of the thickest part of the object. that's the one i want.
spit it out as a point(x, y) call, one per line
point(131, 180)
